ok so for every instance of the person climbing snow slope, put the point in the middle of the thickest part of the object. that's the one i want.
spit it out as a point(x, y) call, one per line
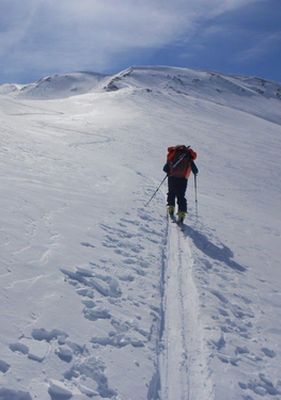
point(180, 163)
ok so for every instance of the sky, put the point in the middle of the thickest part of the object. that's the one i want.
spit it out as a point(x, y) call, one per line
point(44, 37)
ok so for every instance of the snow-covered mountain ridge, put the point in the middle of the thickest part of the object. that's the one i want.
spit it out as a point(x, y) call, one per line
point(56, 86)
point(190, 81)
point(182, 80)
point(101, 296)
point(223, 89)
point(211, 86)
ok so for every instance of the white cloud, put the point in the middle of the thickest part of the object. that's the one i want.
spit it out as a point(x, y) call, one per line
point(83, 34)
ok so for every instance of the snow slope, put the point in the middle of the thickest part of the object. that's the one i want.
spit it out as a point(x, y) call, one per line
point(102, 297)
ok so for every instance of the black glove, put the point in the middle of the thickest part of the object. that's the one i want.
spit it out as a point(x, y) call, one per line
point(194, 168)
point(166, 168)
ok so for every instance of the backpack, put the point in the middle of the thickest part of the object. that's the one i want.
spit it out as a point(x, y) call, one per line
point(179, 160)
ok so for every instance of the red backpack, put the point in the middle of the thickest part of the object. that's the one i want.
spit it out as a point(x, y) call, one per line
point(179, 159)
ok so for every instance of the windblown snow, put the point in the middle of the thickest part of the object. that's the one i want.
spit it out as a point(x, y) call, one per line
point(104, 298)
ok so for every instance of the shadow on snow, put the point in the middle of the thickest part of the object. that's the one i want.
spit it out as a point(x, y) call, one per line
point(222, 253)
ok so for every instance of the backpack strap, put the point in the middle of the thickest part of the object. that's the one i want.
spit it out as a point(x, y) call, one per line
point(184, 155)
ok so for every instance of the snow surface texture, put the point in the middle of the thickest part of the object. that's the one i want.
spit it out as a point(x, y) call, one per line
point(102, 297)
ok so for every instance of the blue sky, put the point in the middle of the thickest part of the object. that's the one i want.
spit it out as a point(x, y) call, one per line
point(42, 37)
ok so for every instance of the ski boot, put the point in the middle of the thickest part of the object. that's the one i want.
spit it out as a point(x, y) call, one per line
point(181, 216)
point(171, 211)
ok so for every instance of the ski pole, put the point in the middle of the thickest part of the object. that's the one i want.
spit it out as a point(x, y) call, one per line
point(195, 192)
point(163, 180)
point(195, 187)
point(173, 166)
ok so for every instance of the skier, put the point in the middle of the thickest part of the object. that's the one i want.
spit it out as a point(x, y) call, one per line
point(180, 163)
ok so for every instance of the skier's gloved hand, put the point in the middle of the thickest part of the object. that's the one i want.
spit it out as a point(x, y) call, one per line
point(166, 168)
point(194, 168)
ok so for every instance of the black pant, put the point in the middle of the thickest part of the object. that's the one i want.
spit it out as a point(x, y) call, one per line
point(177, 188)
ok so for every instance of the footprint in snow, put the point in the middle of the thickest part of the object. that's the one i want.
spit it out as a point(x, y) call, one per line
point(64, 353)
point(86, 244)
point(261, 386)
point(269, 353)
point(235, 318)
point(85, 279)
point(4, 367)
point(19, 347)
point(34, 350)
point(90, 284)
point(42, 334)
point(11, 394)
point(58, 391)
point(97, 313)
point(38, 346)
point(125, 333)
point(42, 343)
point(91, 372)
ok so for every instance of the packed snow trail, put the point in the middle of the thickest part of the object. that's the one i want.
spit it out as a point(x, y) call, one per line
point(183, 367)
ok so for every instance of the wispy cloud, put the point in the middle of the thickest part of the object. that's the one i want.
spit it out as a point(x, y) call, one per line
point(262, 46)
point(49, 35)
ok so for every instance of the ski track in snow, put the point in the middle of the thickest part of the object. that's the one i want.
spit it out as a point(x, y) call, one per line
point(183, 364)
